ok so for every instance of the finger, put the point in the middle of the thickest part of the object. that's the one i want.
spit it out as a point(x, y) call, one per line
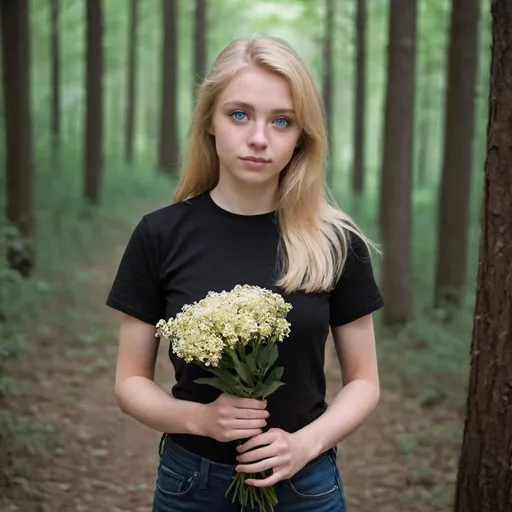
point(245, 433)
point(275, 477)
point(258, 467)
point(262, 439)
point(248, 424)
point(249, 403)
point(258, 454)
point(247, 414)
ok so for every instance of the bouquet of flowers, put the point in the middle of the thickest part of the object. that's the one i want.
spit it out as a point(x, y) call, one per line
point(234, 335)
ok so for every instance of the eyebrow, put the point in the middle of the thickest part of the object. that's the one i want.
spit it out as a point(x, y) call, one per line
point(248, 106)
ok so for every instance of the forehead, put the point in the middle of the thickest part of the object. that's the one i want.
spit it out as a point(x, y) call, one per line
point(261, 88)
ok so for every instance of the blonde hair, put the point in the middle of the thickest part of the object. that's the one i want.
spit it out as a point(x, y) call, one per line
point(314, 232)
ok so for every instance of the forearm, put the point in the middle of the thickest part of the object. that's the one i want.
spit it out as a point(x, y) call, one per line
point(349, 409)
point(149, 404)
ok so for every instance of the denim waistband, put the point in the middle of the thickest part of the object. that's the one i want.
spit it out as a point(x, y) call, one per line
point(205, 468)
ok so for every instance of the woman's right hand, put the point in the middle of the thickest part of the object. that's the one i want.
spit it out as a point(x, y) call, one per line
point(230, 418)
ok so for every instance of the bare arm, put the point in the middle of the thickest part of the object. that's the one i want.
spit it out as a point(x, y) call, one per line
point(136, 392)
point(355, 347)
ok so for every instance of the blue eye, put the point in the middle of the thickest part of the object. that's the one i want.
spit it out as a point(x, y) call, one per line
point(282, 122)
point(238, 116)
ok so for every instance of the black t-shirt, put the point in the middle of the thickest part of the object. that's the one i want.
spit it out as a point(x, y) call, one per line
point(178, 253)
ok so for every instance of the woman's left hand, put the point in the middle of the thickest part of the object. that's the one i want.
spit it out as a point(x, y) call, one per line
point(279, 450)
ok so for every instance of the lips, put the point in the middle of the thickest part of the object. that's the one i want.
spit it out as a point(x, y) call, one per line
point(254, 159)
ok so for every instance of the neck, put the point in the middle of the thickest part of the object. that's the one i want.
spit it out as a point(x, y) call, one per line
point(245, 199)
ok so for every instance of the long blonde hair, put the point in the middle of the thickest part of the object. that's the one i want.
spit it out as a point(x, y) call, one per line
point(314, 232)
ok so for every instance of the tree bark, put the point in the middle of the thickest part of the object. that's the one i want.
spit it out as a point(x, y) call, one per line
point(55, 76)
point(131, 82)
point(94, 101)
point(358, 172)
point(485, 472)
point(396, 185)
point(327, 79)
point(200, 47)
point(458, 151)
point(18, 133)
point(169, 145)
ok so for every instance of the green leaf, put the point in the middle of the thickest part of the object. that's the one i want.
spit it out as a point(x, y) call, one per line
point(216, 383)
point(274, 375)
point(241, 369)
point(272, 358)
point(225, 375)
point(250, 359)
point(268, 389)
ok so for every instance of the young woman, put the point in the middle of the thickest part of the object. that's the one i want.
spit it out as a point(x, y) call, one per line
point(251, 208)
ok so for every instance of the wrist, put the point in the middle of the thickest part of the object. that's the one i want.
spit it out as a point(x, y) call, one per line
point(309, 441)
point(195, 419)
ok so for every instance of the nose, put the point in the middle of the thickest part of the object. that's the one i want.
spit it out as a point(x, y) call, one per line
point(258, 137)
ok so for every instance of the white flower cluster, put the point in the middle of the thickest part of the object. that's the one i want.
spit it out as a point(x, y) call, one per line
point(246, 314)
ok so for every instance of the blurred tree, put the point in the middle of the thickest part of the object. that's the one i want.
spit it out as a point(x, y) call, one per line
point(327, 79)
point(94, 101)
point(485, 473)
point(452, 229)
point(200, 46)
point(55, 76)
point(18, 133)
point(360, 87)
point(131, 81)
point(396, 179)
point(169, 135)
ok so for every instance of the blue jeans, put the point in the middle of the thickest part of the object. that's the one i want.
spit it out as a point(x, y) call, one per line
point(189, 483)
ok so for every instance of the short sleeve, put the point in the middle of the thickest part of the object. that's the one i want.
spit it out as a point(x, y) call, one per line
point(356, 293)
point(136, 290)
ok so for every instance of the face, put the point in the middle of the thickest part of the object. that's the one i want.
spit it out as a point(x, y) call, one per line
point(255, 127)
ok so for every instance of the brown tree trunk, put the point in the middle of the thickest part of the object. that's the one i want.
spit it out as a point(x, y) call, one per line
point(458, 151)
point(396, 185)
point(18, 136)
point(131, 82)
point(200, 47)
point(327, 79)
point(169, 144)
point(358, 176)
point(55, 76)
point(94, 101)
point(485, 471)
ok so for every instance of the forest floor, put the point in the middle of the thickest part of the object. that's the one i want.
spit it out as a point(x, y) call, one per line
point(77, 452)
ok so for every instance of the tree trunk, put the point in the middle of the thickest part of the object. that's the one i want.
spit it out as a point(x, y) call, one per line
point(169, 144)
point(457, 166)
point(396, 185)
point(18, 136)
point(327, 79)
point(131, 81)
point(94, 101)
point(200, 47)
point(358, 176)
point(55, 76)
point(485, 472)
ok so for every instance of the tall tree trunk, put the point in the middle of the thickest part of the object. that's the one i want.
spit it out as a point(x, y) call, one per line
point(169, 144)
point(94, 101)
point(18, 136)
point(458, 150)
point(327, 79)
point(485, 472)
point(358, 176)
point(131, 82)
point(396, 185)
point(55, 76)
point(200, 47)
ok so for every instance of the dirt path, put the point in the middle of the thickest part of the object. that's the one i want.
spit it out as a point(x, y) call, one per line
point(104, 461)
